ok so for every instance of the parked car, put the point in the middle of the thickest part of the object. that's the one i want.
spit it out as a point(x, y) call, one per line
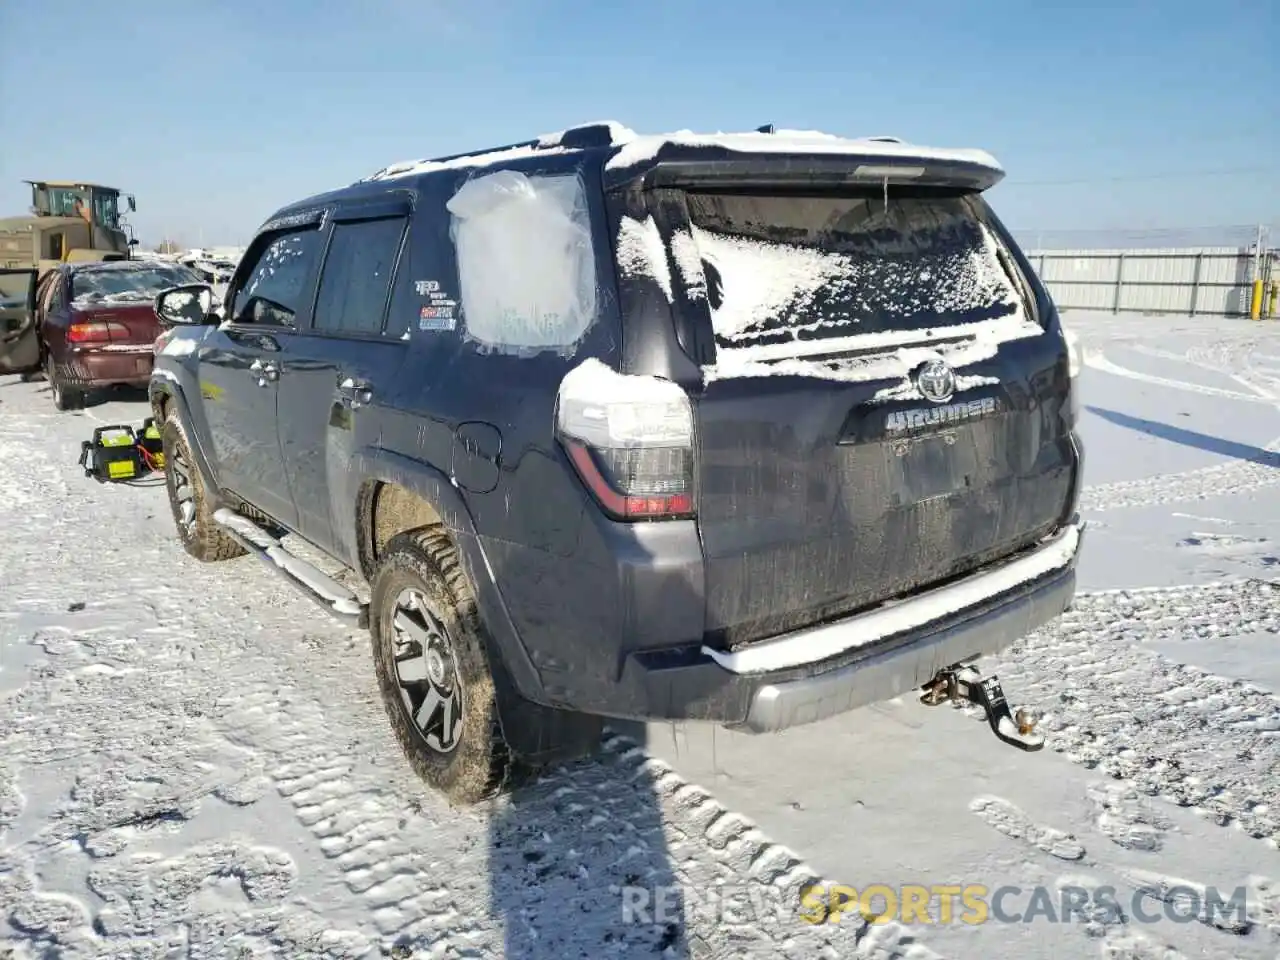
point(212, 272)
point(752, 429)
point(96, 324)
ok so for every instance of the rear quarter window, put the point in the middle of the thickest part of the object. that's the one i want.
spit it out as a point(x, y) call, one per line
point(782, 268)
point(526, 261)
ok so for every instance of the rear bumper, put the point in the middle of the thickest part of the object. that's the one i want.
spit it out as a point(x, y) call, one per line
point(87, 367)
point(862, 659)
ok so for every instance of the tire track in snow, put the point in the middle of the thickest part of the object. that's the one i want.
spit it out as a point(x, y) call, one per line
point(1174, 731)
point(1205, 483)
point(1230, 356)
point(1111, 919)
point(179, 688)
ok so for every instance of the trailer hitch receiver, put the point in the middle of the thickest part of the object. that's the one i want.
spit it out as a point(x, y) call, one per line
point(964, 683)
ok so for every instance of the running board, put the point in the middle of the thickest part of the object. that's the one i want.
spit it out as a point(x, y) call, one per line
point(338, 600)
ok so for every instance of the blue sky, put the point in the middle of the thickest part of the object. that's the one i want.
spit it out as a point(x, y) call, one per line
point(222, 112)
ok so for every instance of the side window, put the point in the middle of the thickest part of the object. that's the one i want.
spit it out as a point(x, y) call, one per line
point(357, 275)
point(274, 291)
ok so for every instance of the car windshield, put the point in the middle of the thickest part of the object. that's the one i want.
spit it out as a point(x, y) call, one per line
point(127, 284)
point(14, 289)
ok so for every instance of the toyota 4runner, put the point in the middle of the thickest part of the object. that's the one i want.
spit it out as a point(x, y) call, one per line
point(751, 428)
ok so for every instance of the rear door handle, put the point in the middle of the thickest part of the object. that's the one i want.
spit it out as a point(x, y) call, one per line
point(267, 373)
point(355, 393)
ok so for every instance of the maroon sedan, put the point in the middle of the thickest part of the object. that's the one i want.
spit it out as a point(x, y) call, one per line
point(97, 324)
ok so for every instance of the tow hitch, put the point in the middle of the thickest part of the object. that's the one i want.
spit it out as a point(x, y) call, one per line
point(965, 683)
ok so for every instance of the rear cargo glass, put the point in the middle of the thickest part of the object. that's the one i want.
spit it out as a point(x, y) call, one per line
point(781, 268)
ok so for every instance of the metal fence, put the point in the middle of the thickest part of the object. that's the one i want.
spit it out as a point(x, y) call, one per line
point(1190, 280)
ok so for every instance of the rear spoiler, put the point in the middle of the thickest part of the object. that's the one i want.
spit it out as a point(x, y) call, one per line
point(714, 167)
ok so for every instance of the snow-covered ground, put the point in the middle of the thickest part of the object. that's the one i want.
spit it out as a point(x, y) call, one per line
point(194, 761)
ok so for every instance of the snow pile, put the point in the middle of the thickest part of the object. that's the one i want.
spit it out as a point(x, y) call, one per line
point(525, 260)
point(641, 252)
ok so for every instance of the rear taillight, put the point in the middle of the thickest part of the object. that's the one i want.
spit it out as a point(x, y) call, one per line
point(97, 332)
point(1074, 357)
point(630, 438)
point(1073, 352)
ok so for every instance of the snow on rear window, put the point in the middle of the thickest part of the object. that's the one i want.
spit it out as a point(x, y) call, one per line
point(782, 269)
point(641, 252)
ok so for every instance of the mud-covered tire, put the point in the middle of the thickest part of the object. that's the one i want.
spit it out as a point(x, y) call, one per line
point(200, 535)
point(64, 397)
point(425, 563)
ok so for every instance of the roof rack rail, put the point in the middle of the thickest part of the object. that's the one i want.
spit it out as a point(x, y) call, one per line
point(886, 139)
point(767, 128)
point(477, 153)
point(574, 138)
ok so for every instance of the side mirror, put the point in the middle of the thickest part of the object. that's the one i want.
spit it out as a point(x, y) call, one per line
point(190, 305)
point(133, 204)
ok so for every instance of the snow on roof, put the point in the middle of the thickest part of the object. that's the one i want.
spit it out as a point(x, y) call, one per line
point(636, 149)
point(618, 133)
point(642, 149)
point(409, 168)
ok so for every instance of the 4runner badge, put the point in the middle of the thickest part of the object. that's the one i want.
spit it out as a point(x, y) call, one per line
point(936, 381)
point(921, 420)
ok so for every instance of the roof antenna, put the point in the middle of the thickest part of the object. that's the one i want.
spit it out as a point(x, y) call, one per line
point(767, 128)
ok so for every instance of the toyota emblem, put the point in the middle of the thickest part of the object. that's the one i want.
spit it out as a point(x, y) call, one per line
point(936, 381)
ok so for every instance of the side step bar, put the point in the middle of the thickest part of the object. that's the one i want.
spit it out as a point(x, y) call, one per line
point(313, 583)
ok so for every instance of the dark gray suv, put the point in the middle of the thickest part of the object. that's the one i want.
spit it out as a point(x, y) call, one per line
point(752, 429)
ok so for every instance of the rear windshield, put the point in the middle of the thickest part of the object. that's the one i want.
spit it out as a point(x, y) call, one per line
point(782, 268)
point(127, 284)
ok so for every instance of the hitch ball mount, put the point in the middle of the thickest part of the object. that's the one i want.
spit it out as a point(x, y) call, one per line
point(965, 684)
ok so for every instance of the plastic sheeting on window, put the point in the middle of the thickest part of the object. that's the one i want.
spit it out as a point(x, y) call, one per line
point(525, 260)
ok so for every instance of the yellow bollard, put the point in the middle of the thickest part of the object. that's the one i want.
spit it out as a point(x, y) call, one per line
point(1255, 307)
